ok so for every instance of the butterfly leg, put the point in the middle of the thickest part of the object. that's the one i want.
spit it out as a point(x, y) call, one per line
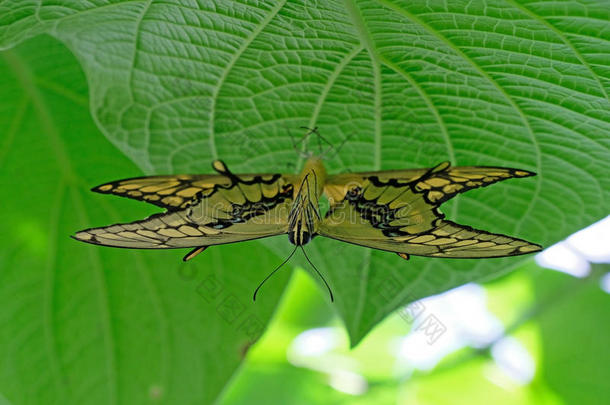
point(403, 255)
point(194, 253)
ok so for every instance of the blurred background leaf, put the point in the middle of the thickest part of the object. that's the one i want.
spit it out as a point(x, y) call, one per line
point(576, 333)
point(81, 324)
point(555, 319)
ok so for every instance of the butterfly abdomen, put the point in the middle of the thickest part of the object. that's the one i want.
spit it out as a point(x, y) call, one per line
point(304, 216)
point(303, 226)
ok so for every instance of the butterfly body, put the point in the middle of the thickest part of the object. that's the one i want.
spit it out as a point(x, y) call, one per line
point(304, 217)
point(395, 211)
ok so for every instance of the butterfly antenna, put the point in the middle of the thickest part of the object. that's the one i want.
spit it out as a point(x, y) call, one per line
point(309, 130)
point(326, 141)
point(332, 299)
point(320, 138)
point(347, 138)
point(294, 144)
point(272, 273)
point(337, 149)
point(300, 152)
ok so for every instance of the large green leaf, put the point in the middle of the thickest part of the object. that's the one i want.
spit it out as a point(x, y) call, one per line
point(525, 84)
point(84, 325)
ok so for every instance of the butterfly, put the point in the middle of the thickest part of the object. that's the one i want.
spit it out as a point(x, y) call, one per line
point(395, 211)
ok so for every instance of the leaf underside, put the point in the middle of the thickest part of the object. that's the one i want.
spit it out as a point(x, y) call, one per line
point(408, 84)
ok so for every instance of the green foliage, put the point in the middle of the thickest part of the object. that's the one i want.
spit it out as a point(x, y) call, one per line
point(575, 330)
point(176, 84)
point(557, 319)
point(87, 325)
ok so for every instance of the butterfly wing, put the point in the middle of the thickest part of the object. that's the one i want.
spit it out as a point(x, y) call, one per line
point(398, 212)
point(439, 184)
point(226, 208)
point(170, 192)
point(174, 192)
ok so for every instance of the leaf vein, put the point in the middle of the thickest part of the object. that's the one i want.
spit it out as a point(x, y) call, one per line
point(229, 67)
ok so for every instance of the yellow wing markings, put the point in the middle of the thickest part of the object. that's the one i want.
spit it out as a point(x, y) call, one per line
point(167, 230)
point(203, 210)
point(174, 192)
point(400, 214)
point(396, 211)
point(217, 219)
point(461, 241)
point(392, 208)
point(169, 192)
point(438, 184)
point(444, 182)
point(446, 240)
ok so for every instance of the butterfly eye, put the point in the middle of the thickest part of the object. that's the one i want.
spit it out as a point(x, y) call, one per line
point(353, 193)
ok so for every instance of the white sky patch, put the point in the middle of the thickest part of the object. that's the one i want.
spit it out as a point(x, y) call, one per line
point(467, 322)
point(314, 342)
point(348, 382)
point(562, 257)
point(315, 349)
point(593, 242)
point(514, 360)
point(572, 256)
